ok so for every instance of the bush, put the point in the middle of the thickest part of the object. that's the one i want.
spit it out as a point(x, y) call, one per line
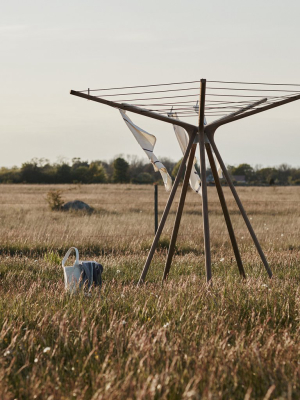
point(143, 178)
point(54, 200)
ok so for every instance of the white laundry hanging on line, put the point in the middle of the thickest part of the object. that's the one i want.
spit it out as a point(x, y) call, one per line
point(182, 137)
point(219, 169)
point(147, 143)
point(217, 164)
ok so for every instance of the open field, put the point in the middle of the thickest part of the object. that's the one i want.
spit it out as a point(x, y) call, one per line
point(234, 340)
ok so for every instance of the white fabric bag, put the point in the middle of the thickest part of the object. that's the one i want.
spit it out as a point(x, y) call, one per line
point(71, 273)
point(183, 140)
point(147, 143)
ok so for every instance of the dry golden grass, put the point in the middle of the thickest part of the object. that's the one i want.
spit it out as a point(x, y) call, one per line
point(124, 217)
point(234, 340)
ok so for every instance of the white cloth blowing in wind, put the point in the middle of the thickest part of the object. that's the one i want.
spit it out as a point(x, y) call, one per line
point(182, 137)
point(147, 143)
point(218, 166)
point(219, 169)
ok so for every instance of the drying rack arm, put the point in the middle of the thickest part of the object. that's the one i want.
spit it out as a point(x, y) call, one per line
point(214, 125)
point(137, 110)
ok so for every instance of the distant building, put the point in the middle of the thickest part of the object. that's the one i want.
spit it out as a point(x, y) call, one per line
point(210, 179)
point(239, 178)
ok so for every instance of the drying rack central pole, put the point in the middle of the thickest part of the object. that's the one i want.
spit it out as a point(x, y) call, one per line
point(203, 181)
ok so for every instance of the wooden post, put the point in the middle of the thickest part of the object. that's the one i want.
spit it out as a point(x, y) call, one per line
point(203, 182)
point(179, 211)
point(167, 208)
point(239, 203)
point(225, 210)
point(155, 208)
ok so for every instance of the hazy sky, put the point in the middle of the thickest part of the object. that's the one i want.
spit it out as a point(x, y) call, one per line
point(50, 47)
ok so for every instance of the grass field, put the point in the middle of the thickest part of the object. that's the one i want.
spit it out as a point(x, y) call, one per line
point(233, 340)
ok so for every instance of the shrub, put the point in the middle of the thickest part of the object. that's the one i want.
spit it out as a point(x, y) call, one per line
point(143, 178)
point(54, 200)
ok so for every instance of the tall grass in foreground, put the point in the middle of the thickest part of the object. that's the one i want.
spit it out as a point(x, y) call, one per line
point(233, 340)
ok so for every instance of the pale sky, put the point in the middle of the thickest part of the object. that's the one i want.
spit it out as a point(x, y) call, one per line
point(51, 47)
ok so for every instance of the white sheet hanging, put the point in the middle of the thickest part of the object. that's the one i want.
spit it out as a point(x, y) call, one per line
point(147, 143)
point(182, 137)
point(219, 169)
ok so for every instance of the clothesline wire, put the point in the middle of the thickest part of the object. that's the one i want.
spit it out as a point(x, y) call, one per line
point(227, 107)
point(222, 98)
point(209, 111)
point(254, 90)
point(211, 88)
point(196, 116)
point(192, 95)
point(179, 112)
point(256, 83)
point(196, 97)
point(212, 109)
point(193, 103)
point(189, 82)
point(140, 86)
point(208, 107)
point(207, 101)
point(155, 91)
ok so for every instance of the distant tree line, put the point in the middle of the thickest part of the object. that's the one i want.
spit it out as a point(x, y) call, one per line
point(118, 170)
point(281, 175)
point(134, 170)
